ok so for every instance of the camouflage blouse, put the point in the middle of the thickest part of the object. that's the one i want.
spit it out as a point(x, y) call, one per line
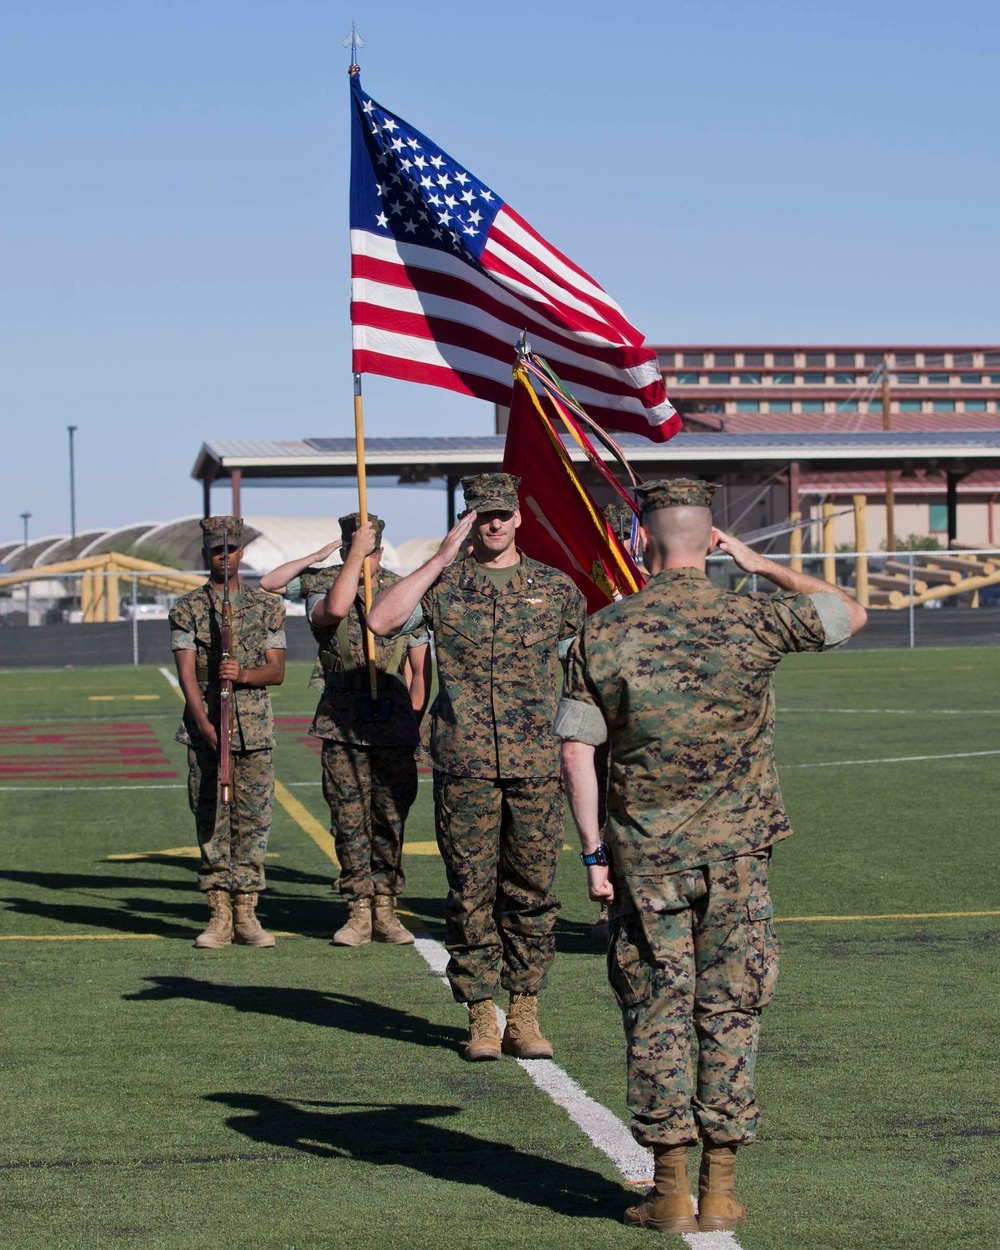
point(345, 712)
point(498, 667)
point(258, 626)
point(681, 676)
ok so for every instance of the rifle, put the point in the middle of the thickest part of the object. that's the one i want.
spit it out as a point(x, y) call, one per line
point(226, 708)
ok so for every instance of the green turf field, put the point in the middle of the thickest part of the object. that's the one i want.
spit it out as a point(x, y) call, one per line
point(309, 1096)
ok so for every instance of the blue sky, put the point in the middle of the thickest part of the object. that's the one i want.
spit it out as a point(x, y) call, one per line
point(173, 222)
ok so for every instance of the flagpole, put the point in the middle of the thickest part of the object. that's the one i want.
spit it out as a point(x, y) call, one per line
point(359, 452)
point(353, 42)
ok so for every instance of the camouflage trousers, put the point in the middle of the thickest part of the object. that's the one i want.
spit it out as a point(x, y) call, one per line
point(500, 841)
point(370, 791)
point(692, 961)
point(233, 838)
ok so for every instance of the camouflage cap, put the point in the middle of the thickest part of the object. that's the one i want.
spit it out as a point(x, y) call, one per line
point(677, 492)
point(491, 492)
point(217, 528)
point(350, 523)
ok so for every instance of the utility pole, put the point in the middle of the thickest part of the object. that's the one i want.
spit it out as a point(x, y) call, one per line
point(72, 489)
point(890, 502)
point(26, 517)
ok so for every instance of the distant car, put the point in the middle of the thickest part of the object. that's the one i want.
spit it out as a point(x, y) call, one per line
point(145, 610)
point(989, 596)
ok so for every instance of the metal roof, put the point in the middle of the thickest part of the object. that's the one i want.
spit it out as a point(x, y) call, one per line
point(413, 460)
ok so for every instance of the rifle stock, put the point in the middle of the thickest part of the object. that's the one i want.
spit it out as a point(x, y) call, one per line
point(226, 709)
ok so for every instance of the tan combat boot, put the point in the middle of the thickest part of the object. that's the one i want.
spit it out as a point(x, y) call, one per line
point(219, 931)
point(718, 1210)
point(386, 925)
point(247, 929)
point(668, 1207)
point(358, 929)
point(484, 1032)
point(522, 1037)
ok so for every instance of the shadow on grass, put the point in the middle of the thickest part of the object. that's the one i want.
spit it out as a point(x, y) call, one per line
point(405, 1135)
point(326, 1009)
point(300, 913)
point(429, 909)
point(131, 874)
point(126, 879)
point(131, 917)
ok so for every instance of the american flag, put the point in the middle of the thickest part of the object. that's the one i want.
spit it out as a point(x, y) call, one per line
point(446, 276)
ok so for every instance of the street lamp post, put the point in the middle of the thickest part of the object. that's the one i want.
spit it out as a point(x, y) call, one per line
point(26, 517)
point(72, 488)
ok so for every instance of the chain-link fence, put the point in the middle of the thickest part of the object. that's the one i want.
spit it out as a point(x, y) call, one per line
point(916, 598)
point(98, 618)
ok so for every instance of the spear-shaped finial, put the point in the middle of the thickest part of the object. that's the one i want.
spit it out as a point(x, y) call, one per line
point(354, 41)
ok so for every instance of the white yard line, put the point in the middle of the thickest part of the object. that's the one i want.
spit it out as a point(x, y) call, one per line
point(601, 1126)
point(170, 677)
point(892, 759)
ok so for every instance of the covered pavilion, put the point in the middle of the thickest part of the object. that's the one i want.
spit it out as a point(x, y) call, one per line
point(745, 464)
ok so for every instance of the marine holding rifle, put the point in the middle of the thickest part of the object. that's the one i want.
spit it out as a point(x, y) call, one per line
point(374, 696)
point(229, 646)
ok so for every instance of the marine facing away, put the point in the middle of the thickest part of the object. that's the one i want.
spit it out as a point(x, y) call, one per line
point(677, 679)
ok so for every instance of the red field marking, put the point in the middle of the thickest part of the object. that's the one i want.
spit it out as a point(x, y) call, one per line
point(76, 728)
point(88, 776)
point(119, 750)
point(292, 723)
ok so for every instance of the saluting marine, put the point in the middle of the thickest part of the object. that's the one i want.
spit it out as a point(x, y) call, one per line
point(677, 678)
point(232, 835)
point(500, 622)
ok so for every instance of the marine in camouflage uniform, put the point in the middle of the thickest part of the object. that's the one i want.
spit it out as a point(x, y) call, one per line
point(232, 837)
point(500, 621)
point(678, 680)
point(369, 749)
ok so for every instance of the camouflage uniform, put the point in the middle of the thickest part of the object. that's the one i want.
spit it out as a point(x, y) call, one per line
point(498, 796)
point(679, 676)
point(369, 766)
point(233, 838)
point(312, 581)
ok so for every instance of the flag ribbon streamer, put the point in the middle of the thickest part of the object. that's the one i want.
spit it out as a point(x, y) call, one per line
point(561, 524)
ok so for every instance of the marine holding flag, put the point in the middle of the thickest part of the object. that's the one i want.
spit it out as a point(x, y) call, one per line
point(446, 277)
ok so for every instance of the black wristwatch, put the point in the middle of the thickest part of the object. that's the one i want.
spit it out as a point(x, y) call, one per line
point(601, 856)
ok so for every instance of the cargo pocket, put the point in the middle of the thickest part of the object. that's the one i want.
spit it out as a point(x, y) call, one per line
point(630, 972)
point(761, 973)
